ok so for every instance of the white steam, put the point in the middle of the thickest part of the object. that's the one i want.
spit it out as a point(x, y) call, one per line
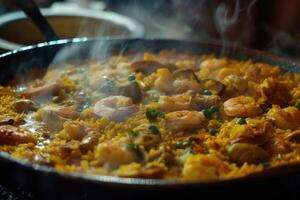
point(174, 19)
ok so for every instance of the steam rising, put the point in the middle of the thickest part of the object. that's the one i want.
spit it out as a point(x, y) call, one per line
point(223, 20)
point(230, 22)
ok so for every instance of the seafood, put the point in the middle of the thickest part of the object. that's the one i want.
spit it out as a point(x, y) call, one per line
point(116, 108)
point(242, 106)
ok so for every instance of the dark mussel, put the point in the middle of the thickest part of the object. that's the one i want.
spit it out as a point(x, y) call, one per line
point(214, 86)
point(186, 73)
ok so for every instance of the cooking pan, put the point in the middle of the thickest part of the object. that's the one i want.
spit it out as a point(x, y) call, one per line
point(42, 182)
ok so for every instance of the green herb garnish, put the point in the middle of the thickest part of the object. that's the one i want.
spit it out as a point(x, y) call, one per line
point(297, 104)
point(153, 129)
point(190, 151)
point(207, 92)
point(136, 149)
point(213, 131)
point(214, 109)
point(152, 114)
point(241, 121)
point(131, 77)
point(208, 113)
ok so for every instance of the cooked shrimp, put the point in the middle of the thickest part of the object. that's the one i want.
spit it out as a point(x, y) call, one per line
point(114, 153)
point(46, 89)
point(255, 131)
point(117, 108)
point(246, 153)
point(51, 118)
point(10, 135)
point(285, 118)
point(184, 120)
point(241, 106)
point(75, 130)
point(176, 102)
point(164, 80)
point(204, 167)
point(275, 92)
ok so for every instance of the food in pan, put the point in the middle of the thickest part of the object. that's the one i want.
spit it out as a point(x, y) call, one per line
point(165, 115)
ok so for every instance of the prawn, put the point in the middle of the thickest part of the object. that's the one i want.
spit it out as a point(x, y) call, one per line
point(176, 102)
point(285, 118)
point(116, 108)
point(241, 106)
point(185, 120)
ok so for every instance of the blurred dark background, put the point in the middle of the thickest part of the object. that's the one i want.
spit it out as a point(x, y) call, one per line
point(271, 25)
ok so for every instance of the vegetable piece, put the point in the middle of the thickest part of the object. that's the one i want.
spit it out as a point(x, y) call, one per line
point(153, 129)
point(136, 149)
point(153, 114)
point(241, 121)
point(213, 131)
point(207, 113)
point(210, 112)
point(297, 104)
point(214, 109)
point(131, 77)
point(207, 92)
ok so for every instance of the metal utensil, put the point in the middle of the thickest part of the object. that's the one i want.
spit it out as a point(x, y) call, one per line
point(30, 8)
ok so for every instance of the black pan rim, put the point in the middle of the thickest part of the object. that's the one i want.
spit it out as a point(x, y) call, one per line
point(145, 183)
point(217, 44)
